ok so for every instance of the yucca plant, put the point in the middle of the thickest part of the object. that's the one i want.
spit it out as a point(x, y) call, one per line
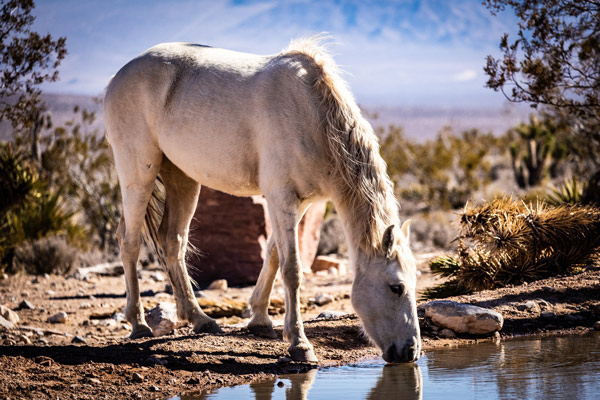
point(570, 191)
point(507, 241)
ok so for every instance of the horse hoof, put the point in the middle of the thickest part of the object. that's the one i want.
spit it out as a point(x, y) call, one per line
point(264, 331)
point(304, 355)
point(209, 327)
point(141, 332)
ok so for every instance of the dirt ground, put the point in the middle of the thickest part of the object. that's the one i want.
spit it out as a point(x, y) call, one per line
point(44, 360)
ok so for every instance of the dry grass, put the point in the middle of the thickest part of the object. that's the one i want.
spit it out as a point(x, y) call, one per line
point(507, 241)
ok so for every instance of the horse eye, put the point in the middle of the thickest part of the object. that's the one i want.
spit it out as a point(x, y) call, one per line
point(397, 289)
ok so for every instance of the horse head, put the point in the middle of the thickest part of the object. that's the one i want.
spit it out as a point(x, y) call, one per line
point(383, 296)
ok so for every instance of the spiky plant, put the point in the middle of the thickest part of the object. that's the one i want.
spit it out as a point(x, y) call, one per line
point(570, 191)
point(507, 241)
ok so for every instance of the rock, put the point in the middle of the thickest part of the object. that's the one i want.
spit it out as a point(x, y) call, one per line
point(232, 234)
point(597, 326)
point(572, 318)
point(9, 315)
point(284, 360)
point(219, 284)
point(118, 316)
point(168, 288)
point(327, 263)
point(157, 359)
point(24, 339)
point(331, 314)
point(548, 315)
point(44, 361)
point(463, 318)
point(107, 323)
point(26, 305)
point(59, 318)
point(103, 269)
point(543, 304)
point(333, 239)
point(154, 388)
point(194, 380)
point(78, 340)
point(323, 298)
point(138, 378)
point(163, 319)
point(225, 307)
point(157, 276)
point(446, 333)
point(530, 306)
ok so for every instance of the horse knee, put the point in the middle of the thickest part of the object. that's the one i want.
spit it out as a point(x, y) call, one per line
point(290, 272)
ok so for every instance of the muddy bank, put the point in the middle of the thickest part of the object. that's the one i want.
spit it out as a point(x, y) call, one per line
point(40, 360)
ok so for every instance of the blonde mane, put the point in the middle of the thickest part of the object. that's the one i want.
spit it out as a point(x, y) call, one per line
point(364, 186)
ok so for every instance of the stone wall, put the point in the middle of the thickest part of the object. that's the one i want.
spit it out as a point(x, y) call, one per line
point(231, 233)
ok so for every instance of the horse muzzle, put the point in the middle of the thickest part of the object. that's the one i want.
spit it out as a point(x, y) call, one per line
point(408, 353)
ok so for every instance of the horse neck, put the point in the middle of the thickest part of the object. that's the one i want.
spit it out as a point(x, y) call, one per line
point(365, 220)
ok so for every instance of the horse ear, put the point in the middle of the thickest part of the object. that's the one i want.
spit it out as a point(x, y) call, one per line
point(388, 241)
point(406, 228)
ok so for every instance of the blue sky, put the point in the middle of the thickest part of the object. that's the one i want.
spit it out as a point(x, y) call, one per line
point(407, 53)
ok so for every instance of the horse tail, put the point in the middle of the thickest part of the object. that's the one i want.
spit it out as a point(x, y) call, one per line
point(155, 210)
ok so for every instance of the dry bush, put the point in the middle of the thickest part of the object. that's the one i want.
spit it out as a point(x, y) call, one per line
point(49, 255)
point(507, 241)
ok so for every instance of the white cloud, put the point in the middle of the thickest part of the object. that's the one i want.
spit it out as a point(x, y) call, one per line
point(466, 75)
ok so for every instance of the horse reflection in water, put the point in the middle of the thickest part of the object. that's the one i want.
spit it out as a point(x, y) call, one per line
point(395, 382)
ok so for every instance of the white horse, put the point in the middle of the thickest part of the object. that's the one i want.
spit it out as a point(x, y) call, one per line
point(283, 125)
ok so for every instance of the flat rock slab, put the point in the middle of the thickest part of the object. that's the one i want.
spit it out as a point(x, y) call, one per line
point(463, 318)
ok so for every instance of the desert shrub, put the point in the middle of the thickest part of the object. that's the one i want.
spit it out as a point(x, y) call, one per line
point(446, 170)
point(48, 255)
point(30, 210)
point(507, 241)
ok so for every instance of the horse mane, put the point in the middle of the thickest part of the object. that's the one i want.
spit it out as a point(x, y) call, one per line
point(364, 187)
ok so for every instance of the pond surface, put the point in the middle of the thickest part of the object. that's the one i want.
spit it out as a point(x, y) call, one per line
point(565, 367)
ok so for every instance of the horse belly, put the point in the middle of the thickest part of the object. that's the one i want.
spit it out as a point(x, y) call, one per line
point(220, 161)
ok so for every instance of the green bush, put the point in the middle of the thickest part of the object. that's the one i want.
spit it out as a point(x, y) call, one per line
point(30, 211)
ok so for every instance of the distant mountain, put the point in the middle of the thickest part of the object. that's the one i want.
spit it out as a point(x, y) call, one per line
point(422, 123)
point(419, 123)
point(61, 106)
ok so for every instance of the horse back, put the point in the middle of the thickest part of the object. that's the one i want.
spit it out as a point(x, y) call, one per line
point(224, 117)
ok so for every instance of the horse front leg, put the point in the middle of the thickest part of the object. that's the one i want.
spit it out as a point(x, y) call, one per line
point(261, 324)
point(284, 219)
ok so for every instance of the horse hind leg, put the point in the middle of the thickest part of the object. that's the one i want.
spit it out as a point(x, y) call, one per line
point(181, 196)
point(136, 190)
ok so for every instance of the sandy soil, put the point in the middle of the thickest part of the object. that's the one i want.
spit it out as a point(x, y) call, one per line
point(41, 360)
